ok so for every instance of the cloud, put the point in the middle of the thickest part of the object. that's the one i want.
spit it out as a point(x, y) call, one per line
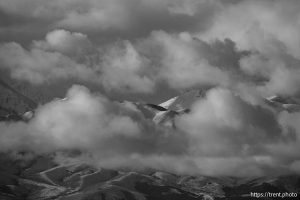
point(279, 75)
point(86, 117)
point(38, 66)
point(123, 66)
point(263, 26)
point(295, 166)
point(124, 69)
point(269, 29)
point(89, 122)
point(65, 55)
point(100, 15)
point(220, 126)
point(226, 131)
point(190, 7)
point(65, 42)
point(180, 61)
point(215, 138)
point(109, 18)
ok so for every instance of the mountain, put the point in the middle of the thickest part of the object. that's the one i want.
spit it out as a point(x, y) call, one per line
point(13, 103)
point(41, 178)
point(284, 103)
point(165, 113)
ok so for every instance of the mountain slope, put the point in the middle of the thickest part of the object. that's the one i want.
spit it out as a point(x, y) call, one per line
point(165, 113)
point(42, 178)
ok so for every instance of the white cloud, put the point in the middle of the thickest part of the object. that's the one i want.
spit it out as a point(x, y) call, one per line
point(259, 25)
point(82, 121)
point(65, 42)
point(101, 15)
point(216, 138)
point(270, 30)
point(281, 75)
point(124, 69)
point(220, 126)
point(63, 55)
point(180, 62)
point(38, 66)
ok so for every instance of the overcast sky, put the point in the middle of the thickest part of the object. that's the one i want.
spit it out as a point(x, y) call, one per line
point(150, 50)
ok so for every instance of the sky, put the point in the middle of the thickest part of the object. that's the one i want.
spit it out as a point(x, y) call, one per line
point(151, 50)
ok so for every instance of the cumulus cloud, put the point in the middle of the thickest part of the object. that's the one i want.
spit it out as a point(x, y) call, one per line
point(181, 62)
point(55, 121)
point(125, 69)
point(278, 75)
point(74, 44)
point(224, 130)
point(64, 55)
point(38, 66)
point(270, 30)
point(263, 26)
point(88, 122)
point(219, 122)
point(215, 138)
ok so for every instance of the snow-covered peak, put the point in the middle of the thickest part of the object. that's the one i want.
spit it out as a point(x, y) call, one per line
point(284, 103)
point(168, 103)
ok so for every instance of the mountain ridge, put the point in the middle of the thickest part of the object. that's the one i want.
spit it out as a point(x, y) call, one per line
point(41, 177)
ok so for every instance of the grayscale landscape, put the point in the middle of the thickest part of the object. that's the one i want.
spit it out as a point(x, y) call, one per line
point(149, 99)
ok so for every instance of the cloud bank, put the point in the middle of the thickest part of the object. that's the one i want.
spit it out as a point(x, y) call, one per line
point(215, 138)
